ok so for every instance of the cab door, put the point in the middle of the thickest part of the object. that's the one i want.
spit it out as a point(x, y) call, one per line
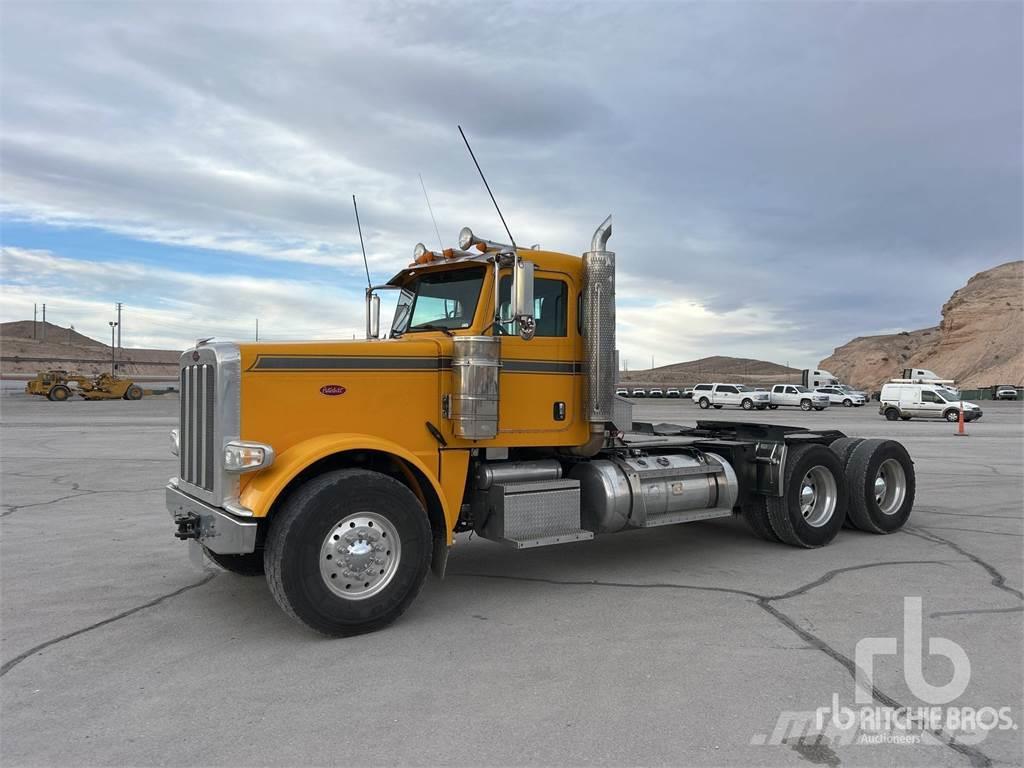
point(541, 379)
point(792, 397)
point(931, 404)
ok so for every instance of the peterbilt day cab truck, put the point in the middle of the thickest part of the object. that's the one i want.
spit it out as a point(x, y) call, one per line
point(344, 469)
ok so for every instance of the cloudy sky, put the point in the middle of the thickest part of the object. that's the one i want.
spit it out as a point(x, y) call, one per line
point(783, 176)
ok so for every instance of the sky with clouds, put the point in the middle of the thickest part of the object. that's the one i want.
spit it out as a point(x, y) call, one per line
point(783, 176)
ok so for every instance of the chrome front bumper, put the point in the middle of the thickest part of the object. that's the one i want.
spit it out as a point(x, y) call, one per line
point(212, 527)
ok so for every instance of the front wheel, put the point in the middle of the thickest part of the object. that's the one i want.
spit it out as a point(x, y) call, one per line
point(134, 392)
point(952, 415)
point(813, 507)
point(847, 403)
point(805, 405)
point(349, 552)
point(891, 414)
point(59, 393)
point(747, 404)
point(704, 403)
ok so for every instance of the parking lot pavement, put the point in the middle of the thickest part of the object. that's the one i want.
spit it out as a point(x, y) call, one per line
point(685, 645)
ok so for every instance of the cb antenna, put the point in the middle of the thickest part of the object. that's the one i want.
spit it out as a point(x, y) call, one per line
point(436, 230)
point(363, 247)
point(514, 247)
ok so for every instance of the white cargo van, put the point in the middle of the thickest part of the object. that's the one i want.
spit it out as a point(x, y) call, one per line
point(924, 401)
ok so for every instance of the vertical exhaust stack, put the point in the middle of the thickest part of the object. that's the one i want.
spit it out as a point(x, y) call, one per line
point(599, 335)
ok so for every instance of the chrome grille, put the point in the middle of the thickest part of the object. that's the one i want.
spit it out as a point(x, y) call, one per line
point(198, 409)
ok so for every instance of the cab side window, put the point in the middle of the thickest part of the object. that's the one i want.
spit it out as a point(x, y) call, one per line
point(927, 396)
point(550, 305)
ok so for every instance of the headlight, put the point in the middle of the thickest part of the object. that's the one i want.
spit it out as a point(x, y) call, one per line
point(241, 456)
point(175, 441)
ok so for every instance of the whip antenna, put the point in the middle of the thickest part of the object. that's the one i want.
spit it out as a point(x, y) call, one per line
point(436, 231)
point(361, 246)
point(488, 186)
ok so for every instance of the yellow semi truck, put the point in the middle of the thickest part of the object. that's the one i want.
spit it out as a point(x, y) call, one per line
point(342, 469)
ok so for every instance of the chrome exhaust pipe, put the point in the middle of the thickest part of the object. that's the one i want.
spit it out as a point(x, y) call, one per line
point(599, 336)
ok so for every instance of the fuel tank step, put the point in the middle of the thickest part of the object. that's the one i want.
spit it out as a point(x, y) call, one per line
point(686, 516)
point(534, 514)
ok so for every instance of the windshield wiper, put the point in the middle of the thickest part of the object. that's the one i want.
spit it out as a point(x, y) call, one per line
point(431, 327)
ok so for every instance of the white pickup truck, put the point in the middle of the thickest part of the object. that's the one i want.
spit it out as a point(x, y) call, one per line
point(797, 396)
point(721, 395)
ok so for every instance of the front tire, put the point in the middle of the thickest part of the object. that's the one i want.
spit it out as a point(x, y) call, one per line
point(348, 552)
point(847, 403)
point(882, 486)
point(891, 414)
point(952, 415)
point(250, 564)
point(747, 404)
point(704, 403)
point(134, 392)
point(805, 405)
point(813, 508)
point(59, 393)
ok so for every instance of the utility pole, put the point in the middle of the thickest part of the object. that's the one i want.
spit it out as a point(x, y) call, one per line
point(44, 322)
point(257, 329)
point(113, 325)
point(119, 305)
point(35, 319)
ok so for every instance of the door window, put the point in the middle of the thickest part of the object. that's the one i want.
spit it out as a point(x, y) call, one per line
point(550, 306)
point(927, 396)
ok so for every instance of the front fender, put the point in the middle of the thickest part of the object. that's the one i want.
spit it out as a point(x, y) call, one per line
point(265, 486)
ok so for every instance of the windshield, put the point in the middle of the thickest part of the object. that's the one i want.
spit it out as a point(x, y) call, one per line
point(438, 300)
point(743, 388)
point(801, 389)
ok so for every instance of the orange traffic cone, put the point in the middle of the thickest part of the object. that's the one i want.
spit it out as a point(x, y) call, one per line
point(960, 423)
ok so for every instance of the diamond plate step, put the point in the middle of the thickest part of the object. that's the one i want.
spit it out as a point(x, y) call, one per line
point(534, 514)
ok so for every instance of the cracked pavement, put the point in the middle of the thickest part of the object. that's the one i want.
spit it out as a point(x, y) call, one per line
point(670, 646)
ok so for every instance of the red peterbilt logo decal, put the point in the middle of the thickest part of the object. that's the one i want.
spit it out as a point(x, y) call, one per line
point(332, 389)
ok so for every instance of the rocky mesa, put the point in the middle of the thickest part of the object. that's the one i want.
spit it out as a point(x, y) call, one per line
point(980, 341)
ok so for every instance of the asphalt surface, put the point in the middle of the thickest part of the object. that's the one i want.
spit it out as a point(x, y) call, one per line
point(672, 646)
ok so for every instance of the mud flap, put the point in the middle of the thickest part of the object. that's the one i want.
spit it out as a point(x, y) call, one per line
point(439, 560)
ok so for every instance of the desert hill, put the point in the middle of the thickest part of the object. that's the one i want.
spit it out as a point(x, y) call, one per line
point(979, 342)
point(22, 355)
point(740, 370)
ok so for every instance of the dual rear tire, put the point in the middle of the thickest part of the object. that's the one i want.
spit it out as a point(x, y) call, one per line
point(864, 484)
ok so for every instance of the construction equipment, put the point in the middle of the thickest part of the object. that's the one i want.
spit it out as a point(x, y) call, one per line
point(59, 385)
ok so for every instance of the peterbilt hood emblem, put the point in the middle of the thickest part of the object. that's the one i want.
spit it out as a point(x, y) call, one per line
point(332, 389)
point(195, 355)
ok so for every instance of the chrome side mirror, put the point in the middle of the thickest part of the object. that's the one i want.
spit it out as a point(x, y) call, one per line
point(372, 315)
point(522, 298)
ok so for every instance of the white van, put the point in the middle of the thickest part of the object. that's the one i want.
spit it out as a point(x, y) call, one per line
point(924, 401)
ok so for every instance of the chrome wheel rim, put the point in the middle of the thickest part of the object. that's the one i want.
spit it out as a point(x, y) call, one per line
point(890, 487)
point(360, 556)
point(818, 496)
